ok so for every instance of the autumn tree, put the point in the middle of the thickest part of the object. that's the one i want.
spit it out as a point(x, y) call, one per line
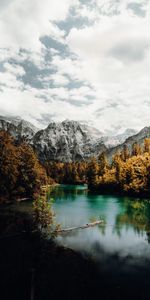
point(147, 145)
point(103, 164)
point(8, 164)
point(32, 174)
point(125, 153)
point(136, 149)
point(92, 172)
point(117, 164)
point(21, 174)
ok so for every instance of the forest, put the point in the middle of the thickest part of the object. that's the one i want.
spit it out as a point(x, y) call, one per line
point(22, 174)
point(128, 172)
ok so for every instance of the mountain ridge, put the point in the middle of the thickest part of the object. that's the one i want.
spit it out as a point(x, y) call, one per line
point(130, 141)
point(70, 140)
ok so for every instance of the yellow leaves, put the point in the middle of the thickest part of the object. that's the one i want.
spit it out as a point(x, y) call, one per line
point(147, 145)
point(109, 177)
point(20, 170)
point(130, 174)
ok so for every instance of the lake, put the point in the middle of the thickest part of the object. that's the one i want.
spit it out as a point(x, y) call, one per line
point(125, 231)
point(119, 248)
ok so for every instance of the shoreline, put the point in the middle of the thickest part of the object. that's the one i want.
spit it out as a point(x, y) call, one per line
point(120, 194)
point(96, 191)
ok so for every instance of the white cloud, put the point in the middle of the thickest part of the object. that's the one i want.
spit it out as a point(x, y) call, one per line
point(14, 69)
point(23, 22)
point(110, 55)
point(57, 79)
point(115, 55)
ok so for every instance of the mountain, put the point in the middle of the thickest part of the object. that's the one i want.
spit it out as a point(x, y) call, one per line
point(70, 140)
point(113, 141)
point(67, 141)
point(137, 138)
point(18, 127)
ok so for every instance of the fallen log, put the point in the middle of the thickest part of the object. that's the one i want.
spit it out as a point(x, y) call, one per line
point(80, 227)
point(22, 199)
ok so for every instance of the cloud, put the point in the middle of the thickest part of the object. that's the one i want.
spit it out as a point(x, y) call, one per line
point(137, 8)
point(82, 60)
point(115, 55)
point(32, 19)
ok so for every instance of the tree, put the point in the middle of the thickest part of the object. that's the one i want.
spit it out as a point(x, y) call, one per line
point(32, 174)
point(147, 145)
point(125, 153)
point(21, 174)
point(44, 215)
point(136, 149)
point(117, 163)
point(103, 164)
point(92, 172)
point(8, 164)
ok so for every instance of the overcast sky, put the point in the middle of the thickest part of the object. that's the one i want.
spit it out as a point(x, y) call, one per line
point(76, 59)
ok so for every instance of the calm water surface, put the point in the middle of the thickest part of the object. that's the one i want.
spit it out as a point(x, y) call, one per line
point(126, 229)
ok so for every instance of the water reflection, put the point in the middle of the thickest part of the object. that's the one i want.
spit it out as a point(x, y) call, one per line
point(136, 215)
point(126, 228)
point(68, 192)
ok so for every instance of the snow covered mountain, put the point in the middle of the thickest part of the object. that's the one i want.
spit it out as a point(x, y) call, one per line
point(67, 141)
point(70, 140)
point(113, 141)
point(18, 127)
point(136, 138)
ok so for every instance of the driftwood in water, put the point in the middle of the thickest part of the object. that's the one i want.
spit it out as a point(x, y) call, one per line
point(22, 199)
point(81, 227)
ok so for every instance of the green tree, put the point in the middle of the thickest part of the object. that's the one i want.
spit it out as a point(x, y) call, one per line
point(44, 215)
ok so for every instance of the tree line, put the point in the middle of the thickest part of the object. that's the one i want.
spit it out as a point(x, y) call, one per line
point(128, 171)
point(22, 174)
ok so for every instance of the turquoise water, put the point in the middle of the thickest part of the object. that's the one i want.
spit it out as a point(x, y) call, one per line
point(126, 228)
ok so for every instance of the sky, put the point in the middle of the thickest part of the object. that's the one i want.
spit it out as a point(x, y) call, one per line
point(85, 60)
